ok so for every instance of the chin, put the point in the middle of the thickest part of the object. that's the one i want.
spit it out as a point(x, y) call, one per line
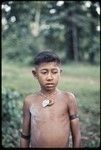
point(49, 88)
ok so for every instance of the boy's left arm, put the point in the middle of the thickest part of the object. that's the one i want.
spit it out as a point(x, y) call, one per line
point(74, 121)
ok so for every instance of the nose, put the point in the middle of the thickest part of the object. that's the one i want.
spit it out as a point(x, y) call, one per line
point(49, 76)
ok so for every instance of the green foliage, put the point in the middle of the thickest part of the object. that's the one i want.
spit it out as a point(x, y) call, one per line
point(71, 30)
point(91, 128)
point(11, 117)
point(20, 49)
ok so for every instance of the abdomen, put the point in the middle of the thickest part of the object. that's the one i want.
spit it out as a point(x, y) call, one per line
point(51, 134)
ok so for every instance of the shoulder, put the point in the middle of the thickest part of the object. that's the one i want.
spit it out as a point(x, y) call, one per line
point(69, 96)
point(29, 99)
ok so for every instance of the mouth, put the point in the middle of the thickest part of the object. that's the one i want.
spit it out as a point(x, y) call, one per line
point(49, 83)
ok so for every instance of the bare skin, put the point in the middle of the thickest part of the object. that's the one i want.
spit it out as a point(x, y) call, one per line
point(50, 126)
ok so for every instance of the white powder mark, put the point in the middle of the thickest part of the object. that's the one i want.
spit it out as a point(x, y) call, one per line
point(34, 114)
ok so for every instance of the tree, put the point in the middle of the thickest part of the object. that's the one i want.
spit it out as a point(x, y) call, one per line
point(66, 26)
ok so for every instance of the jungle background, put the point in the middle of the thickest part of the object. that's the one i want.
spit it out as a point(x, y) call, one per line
point(72, 30)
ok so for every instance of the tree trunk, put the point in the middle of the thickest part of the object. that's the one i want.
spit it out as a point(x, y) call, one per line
point(71, 36)
point(71, 42)
point(75, 42)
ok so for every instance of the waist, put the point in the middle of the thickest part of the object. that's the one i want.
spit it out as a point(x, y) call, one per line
point(50, 134)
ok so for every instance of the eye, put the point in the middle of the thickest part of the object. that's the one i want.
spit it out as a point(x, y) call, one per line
point(44, 72)
point(54, 72)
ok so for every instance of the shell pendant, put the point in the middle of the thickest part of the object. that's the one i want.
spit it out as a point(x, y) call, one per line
point(45, 103)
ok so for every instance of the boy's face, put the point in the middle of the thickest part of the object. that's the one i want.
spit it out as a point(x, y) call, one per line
point(47, 74)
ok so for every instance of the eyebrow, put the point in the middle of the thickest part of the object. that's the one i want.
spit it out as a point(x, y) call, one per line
point(45, 69)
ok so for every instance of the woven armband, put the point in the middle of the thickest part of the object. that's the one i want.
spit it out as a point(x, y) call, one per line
point(27, 137)
point(73, 116)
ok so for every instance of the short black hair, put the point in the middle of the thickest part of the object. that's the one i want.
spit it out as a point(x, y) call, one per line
point(46, 56)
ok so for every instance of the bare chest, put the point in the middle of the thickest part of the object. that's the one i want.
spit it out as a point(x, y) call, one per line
point(57, 111)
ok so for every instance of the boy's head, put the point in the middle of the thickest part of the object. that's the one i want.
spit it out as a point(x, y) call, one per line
point(45, 57)
point(47, 69)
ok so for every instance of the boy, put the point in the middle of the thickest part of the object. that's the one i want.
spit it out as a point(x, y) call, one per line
point(49, 114)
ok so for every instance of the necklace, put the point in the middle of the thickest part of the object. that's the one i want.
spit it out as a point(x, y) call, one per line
point(48, 101)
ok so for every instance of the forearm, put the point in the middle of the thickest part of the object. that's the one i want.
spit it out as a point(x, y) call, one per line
point(24, 143)
point(77, 142)
point(76, 133)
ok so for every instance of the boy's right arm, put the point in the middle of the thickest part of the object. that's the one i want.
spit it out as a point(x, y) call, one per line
point(24, 142)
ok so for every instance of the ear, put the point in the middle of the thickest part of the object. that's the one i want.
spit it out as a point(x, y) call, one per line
point(34, 72)
point(60, 70)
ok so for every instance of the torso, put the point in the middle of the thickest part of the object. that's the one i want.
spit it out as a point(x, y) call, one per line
point(50, 126)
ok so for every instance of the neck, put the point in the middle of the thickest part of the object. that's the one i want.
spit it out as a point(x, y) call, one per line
point(48, 92)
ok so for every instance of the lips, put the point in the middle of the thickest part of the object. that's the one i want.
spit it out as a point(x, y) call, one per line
point(50, 84)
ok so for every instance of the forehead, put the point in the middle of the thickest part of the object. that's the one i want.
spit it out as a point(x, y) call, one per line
point(48, 65)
